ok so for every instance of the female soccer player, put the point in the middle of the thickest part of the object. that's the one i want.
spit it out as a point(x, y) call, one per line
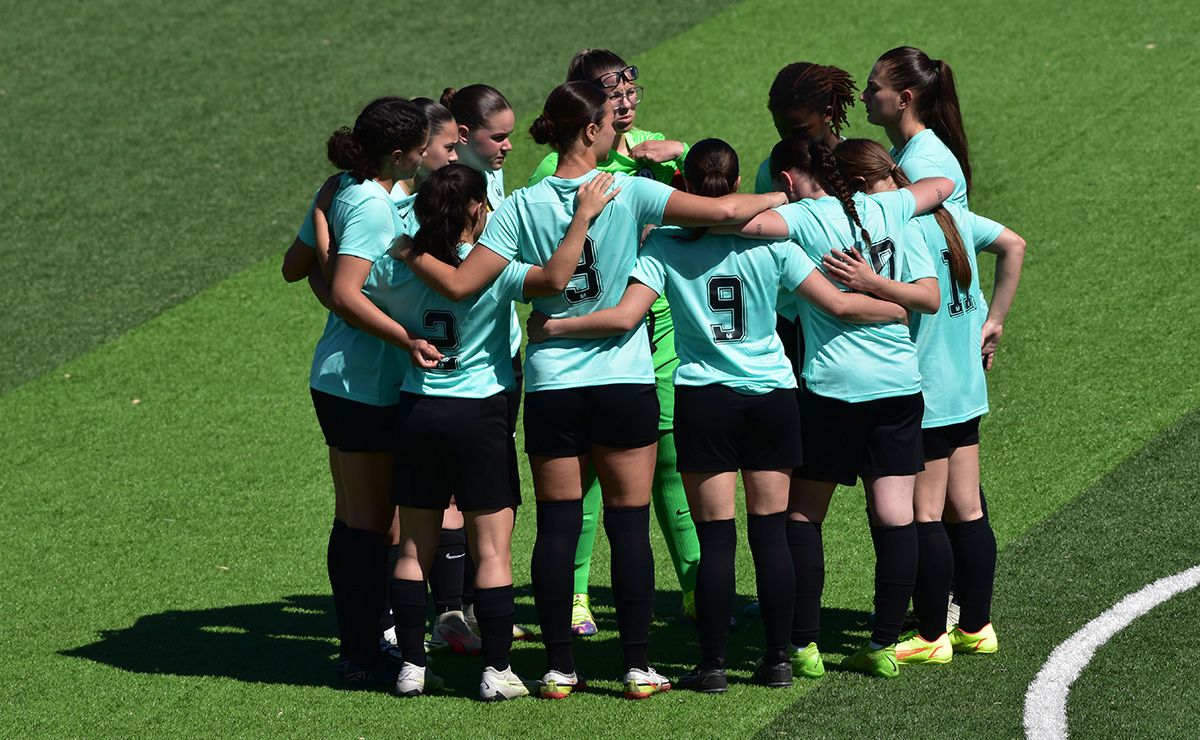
point(861, 399)
point(453, 433)
point(355, 373)
point(588, 400)
point(955, 392)
point(644, 154)
point(735, 399)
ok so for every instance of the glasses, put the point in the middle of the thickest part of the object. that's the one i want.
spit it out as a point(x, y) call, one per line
point(632, 96)
point(612, 79)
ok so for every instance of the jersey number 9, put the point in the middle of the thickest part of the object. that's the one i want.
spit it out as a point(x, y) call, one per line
point(725, 296)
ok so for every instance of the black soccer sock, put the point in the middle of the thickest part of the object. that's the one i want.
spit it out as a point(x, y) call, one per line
point(935, 572)
point(468, 583)
point(385, 620)
point(974, 545)
point(895, 573)
point(775, 580)
point(446, 576)
point(808, 563)
point(558, 527)
point(715, 584)
point(408, 607)
point(364, 571)
point(333, 557)
point(628, 530)
point(495, 611)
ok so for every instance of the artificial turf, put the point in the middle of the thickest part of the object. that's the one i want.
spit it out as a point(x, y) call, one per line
point(163, 561)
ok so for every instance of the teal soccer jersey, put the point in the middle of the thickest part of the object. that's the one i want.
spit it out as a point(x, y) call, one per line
point(348, 362)
point(723, 290)
point(529, 226)
point(762, 179)
point(852, 362)
point(926, 156)
point(472, 334)
point(948, 342)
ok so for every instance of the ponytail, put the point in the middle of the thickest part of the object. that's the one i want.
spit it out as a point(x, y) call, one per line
point(711, 170)
point(385, 125)
point(836, 185)
point(443, 208)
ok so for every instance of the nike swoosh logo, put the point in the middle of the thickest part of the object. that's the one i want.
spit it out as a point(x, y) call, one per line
point(455, 557)
point(681, 512)
point(901, 654)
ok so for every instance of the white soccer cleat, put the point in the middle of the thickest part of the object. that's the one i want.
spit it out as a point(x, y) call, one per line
point(452, 629)
point(641, 684)
point(556, 685)
point(415, 680)
point(497, 685)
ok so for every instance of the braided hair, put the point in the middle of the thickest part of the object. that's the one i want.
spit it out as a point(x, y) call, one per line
point(814, 87)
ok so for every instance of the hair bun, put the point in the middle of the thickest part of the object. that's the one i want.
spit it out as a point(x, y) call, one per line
point(447, 95)
point(542, 129)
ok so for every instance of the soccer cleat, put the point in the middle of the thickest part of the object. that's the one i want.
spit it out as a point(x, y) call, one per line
point(583, 623)
point(687, 613)
point(753, 610)
point(775, 675)
point(641, 684)
point(556, 685)
point(807, 661)
point(522, 633)
point(357, 678)
point(497, 685)
point(452, 629)
point(916, 650)
point(415, 680)
point(705, 680)
point(881, 662)
point(982, 642)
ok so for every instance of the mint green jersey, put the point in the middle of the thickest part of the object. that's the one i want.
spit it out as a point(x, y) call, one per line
point(348, 362)
point(854, 362)
point(762, 179)
point(948, 342)
point(723, 290)
point(926, 156)
point(472, 334)
point(529, 226)
point(664, 172)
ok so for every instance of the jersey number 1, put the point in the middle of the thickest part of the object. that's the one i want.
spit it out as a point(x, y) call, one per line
point(725, 296)
point(958, 305)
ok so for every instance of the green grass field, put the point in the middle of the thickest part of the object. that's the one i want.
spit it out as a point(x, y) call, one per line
point(163, 476)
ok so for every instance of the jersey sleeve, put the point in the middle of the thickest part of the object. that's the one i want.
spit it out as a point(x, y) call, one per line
point(795, 265)
point(369, 230)
point(984, 231)
point(918, 166)
point(917, 261)
point(650, 270)
point(502, 231)
point(646, 198)
point(899, 205)
point(510, 285)
point(762, 180)
point(803, 227)
point(544, 169)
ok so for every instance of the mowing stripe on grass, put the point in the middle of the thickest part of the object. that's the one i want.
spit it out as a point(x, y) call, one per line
point(1046, 700)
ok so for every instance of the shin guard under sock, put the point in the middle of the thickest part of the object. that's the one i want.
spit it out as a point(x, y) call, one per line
point(446, 575)
point(495, 611)
point(558, 526)
point(895, 573)
point(974, 546)
point(364, 571)
point(775, 580)
point(715, 585)
point(628, 530)
point(333, 556)
point(385, 617)
point(808, 562)
point(408, 608)
point(935, 572)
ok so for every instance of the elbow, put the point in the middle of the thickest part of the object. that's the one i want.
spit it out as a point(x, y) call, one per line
point(928, 304)
point(339, 302)
point(291, 276)
point(1018, 248)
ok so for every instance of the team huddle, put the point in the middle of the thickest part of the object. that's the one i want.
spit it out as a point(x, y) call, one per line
point(828, 328)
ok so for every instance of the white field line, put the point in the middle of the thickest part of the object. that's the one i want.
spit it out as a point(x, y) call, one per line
point(1046, 699)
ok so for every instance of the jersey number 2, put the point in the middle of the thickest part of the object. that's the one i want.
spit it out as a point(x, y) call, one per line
point(725, 296)
point(442, 332)
point(585, 283)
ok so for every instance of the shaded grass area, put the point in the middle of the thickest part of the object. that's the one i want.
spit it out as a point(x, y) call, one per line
point(152, 150)
point(1132, 528)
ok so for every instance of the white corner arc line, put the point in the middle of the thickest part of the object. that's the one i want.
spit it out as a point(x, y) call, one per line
point(1046, 698)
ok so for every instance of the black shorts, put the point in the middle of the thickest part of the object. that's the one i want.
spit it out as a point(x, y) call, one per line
point(566, 422)
point(354, 426)
point(843, 441)
point(718, 429)
point(514, 396)
point(939, 441)
point(791, 334)
point(459, 447)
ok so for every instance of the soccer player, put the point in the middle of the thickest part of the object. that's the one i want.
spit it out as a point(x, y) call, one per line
point(355, 373)
point(588, 400)
point(643, 154)
point(735, 399)
point(861, 399)
point(454, 435)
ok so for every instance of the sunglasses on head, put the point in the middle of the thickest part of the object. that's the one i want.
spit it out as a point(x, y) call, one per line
point(612, 79)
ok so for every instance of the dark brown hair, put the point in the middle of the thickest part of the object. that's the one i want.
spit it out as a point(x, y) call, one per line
point(813, 87)
point(473, 105)
point(569, 109)
point(932, 82)
point(588, 64)
point(869, 160)
point(711, 170)
point(443, 208)
point(384, 126)
point(437, 114)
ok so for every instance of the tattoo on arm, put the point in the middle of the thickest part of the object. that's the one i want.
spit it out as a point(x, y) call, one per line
point(758, 229)
point(939, 194)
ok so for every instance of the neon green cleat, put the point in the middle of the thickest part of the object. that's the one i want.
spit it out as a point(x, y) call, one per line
point(881, 662)
point(916, 650)
point(807, 661)
point(982, 642)
point(582, 621)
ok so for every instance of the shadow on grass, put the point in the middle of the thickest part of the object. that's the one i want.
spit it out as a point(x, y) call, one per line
point(291, 642)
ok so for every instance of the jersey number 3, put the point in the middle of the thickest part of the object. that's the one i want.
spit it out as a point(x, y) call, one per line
point(441, 332)
point(725, 296)
point(585, 283)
